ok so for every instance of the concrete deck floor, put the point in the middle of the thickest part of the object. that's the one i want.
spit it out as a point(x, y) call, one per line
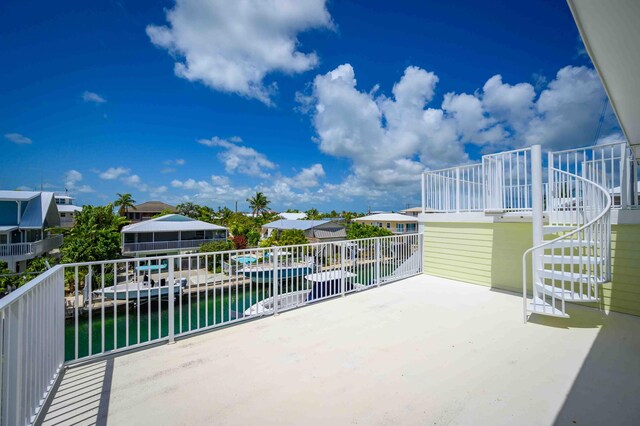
point(423, 350)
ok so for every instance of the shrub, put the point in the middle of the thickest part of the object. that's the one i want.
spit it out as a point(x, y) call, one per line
point(239, 242)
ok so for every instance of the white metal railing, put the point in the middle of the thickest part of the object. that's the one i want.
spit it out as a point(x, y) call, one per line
point(167, 245)
point(456, 189)
point(118, 305)
point(31, 346)
point(581, 256)
point(114, 304)
point(31, 249)
point(507, 181)
point(611, 166)
point(501, 183)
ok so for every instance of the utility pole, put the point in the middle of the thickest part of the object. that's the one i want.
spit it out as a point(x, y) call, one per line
point(236, 206)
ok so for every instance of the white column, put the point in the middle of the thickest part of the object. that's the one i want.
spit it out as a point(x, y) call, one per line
point(424, 192)
point(536, 204)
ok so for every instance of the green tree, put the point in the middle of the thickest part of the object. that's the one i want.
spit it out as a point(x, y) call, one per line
point(359, 230)
point(124, 203)
point(259, 203)
point(206, 214)
point(313, 214)
point(290, 237)
point(188, 209)
point(7, 278)
point(94, 236)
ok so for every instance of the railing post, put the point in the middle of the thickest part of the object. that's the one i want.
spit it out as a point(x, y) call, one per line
point(536, 208)
point(274, 280)
point(550, 185)
point(342, 255)
point(424, 192)
point(378, 262)
point(457, 189)
point(625, 178)
point(172, 299)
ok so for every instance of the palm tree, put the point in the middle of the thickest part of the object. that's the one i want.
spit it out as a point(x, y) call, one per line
point(124, 203)
point(188, 209)
point(259, 203)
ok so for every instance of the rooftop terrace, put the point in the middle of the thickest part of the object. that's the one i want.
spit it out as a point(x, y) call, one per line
point(417, 351)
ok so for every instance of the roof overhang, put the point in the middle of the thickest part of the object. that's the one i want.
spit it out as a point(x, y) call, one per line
point(611, 33)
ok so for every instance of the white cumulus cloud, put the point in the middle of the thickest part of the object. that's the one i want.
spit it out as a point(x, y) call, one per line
point(238, 158)
point(114, 173)
point(231, 46)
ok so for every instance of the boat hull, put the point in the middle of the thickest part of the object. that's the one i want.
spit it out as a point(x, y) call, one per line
point(133, 292)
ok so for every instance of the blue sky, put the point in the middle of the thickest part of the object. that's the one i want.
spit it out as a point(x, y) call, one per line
point(332, 105)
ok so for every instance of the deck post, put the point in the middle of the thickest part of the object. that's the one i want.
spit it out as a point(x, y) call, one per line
point(377, 261)
point(625, 177)
point(424, 192)
point(342, 254)
point(536, 209)
point(171, 284)
point(457, 189)
point(274, 280)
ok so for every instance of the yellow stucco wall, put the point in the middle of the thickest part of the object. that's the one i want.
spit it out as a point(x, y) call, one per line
point(490, 254)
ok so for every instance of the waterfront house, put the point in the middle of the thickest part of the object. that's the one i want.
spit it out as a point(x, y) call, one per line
point(169, 234)
point(315, 230)
point(148, 210)
point(413, 211)
point(66, 210)
point(25, 219)
point(395, 222)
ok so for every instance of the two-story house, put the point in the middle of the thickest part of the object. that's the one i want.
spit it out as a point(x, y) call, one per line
point(25, 217)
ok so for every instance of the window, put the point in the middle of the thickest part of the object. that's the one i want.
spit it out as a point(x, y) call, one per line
point(400, 227)
point(63, 215)
point(388, 225)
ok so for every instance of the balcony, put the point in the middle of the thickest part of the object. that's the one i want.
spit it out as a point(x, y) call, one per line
point(421, 350)
point(167, 245)
point(21, 251)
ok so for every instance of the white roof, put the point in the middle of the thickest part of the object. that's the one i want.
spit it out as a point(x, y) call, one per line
point(64, 197)
point(293, 216)
point(8, 228)
point(67, 208)
point(388, 217)
point(171, 223)
point(18, 195)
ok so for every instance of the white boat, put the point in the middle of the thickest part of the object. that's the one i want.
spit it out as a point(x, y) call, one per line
point(142, 291)
point(321, 285)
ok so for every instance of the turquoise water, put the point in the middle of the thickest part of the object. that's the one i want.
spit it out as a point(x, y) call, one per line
point(245, 259)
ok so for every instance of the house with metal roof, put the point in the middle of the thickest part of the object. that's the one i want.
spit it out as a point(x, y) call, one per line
point(169, 234)
point(66, 210)
point(395, 222)
point(148, 210)
point(25, 217)
point(292, 216)
point(315, 230)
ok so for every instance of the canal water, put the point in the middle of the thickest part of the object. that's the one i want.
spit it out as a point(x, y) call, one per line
point(150, 321)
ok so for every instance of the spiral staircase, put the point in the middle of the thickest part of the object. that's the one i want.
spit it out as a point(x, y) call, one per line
point(575, 259)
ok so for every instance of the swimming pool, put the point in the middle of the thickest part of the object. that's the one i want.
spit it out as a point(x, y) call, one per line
point(144, 268)
point(245, 259)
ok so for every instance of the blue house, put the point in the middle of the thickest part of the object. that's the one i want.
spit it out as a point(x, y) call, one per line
point(25, 217)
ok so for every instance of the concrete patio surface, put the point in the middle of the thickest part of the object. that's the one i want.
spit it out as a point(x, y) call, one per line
point(423, 350)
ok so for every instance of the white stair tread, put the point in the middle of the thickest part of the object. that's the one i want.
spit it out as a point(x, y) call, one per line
point(539, 306)
point(566, 295)
point(567, 259)
point(568, 244)
point(567, 276)
point(553, 229)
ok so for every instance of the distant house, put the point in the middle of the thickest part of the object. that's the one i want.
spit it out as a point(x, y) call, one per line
point(148, 210)
point(292, 216)
point(25, 217)
point(66, 210)
point(314, 230)
point(395, 222)
point(169, 234)
point(413, 211)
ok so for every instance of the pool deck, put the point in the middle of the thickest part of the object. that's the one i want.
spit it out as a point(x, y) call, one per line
point(423, 350)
